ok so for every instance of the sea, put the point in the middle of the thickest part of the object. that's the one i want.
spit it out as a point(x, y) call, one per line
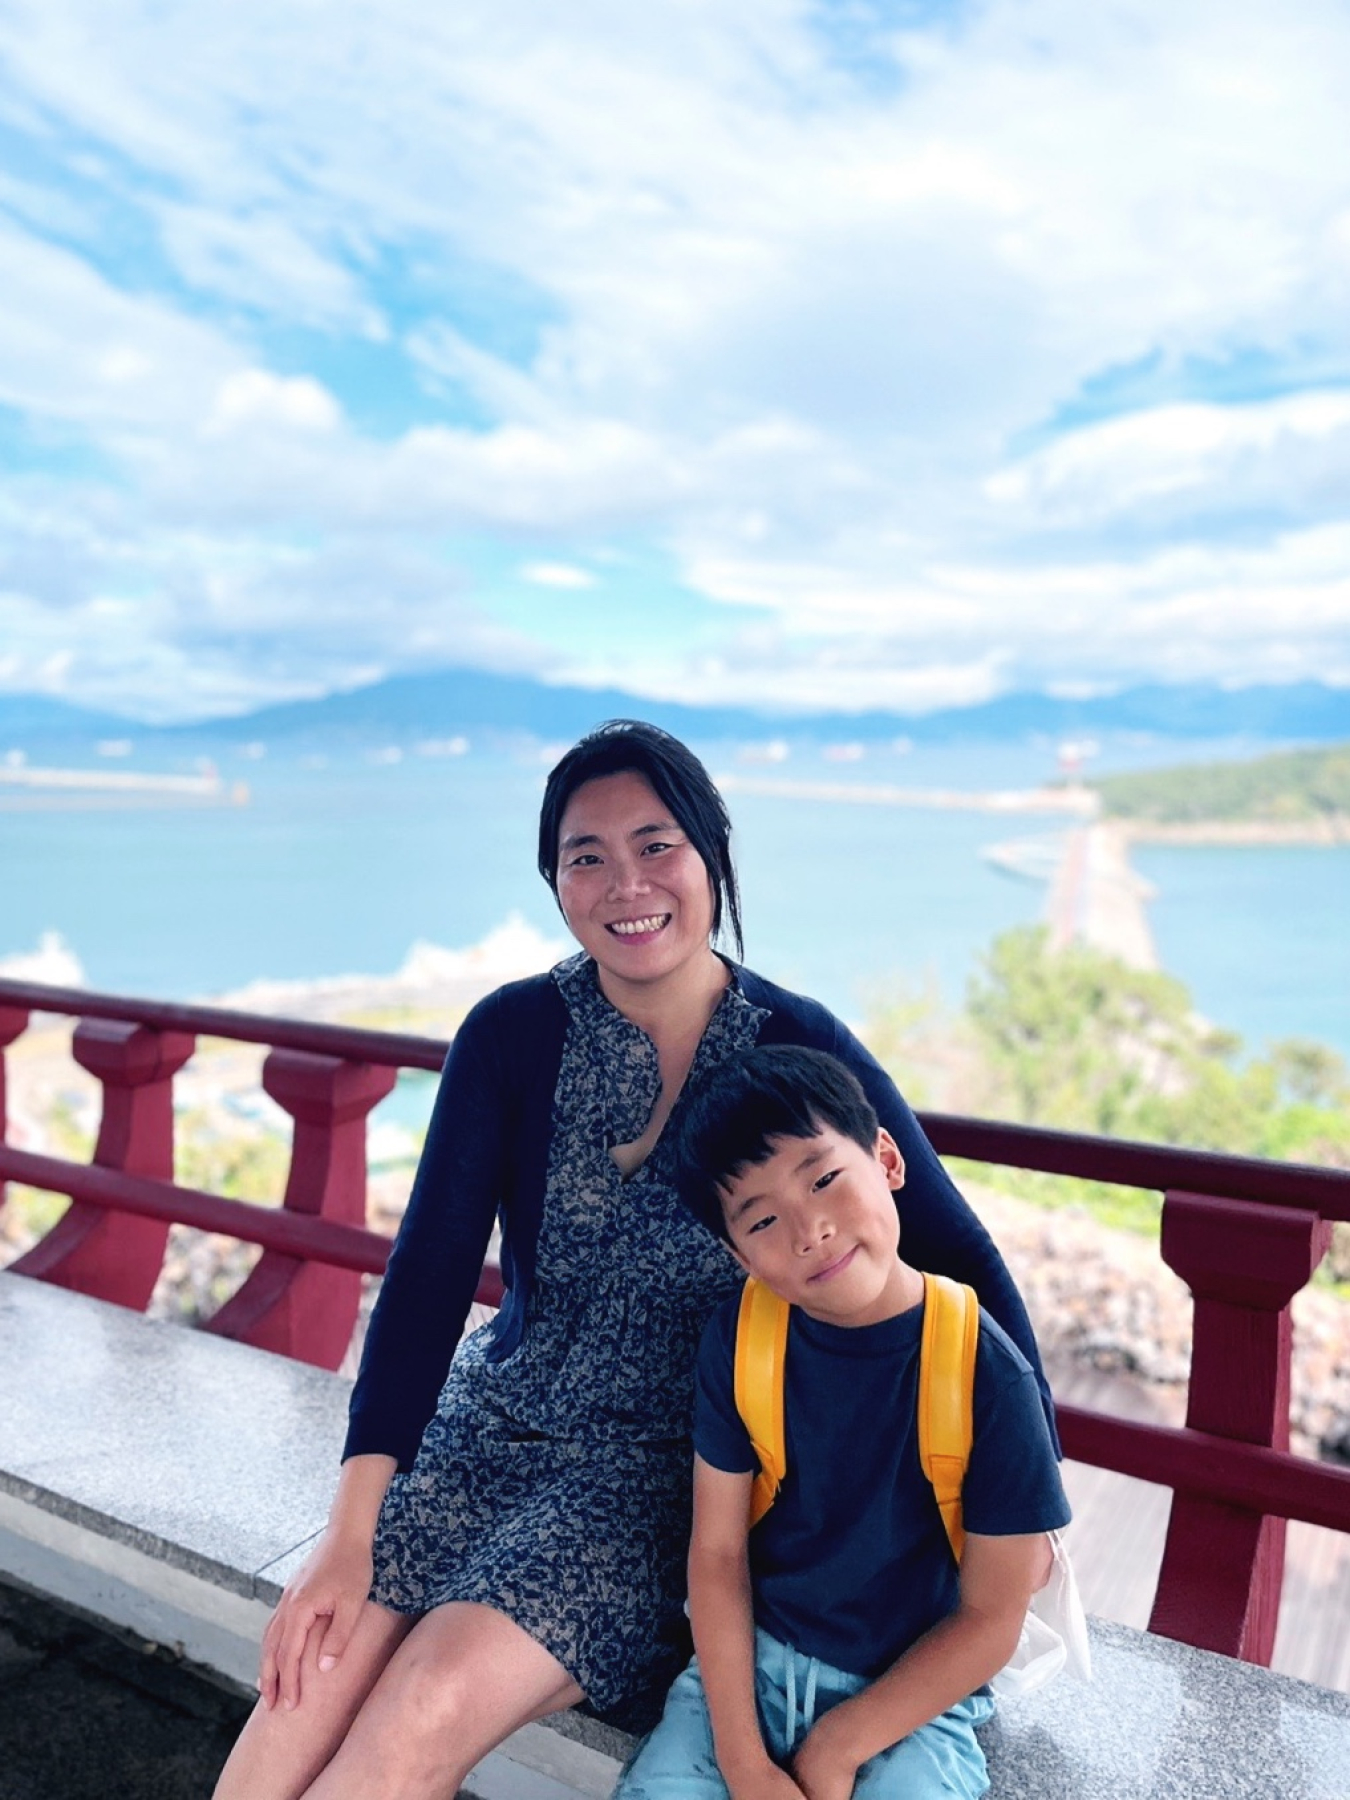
point(345, 856)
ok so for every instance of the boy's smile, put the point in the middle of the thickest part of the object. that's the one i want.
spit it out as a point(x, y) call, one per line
point(817, 1223)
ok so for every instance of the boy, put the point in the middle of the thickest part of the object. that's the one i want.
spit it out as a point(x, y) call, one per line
point(839, 1650)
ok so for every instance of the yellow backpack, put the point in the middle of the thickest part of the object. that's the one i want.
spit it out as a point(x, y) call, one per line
point(951, 1329)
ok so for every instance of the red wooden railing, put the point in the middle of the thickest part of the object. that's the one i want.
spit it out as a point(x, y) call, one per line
point(301, 1299)
point(1244, 1235)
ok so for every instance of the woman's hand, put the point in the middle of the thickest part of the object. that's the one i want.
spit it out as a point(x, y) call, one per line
point(332, 1585)
point(325, 1595)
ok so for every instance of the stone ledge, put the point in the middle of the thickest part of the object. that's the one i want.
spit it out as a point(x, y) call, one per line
point(169, 1481)
point(1163, 1721)
point(214, 1457)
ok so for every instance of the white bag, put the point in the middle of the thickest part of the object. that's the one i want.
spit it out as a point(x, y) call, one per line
point(1054, 1633)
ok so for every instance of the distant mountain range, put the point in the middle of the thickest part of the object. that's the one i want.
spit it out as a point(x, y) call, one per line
point(408, 708)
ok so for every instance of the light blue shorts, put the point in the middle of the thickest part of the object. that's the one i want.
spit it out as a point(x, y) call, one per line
point(941, 1761)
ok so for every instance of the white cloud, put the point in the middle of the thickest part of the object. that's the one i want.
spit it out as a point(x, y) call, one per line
point(253, 398)
point(558, 575)
point(670, 275)
point(790, 678)
point(266, 262)
point(1277, 611)
point(1115, 467)
point(75, 348)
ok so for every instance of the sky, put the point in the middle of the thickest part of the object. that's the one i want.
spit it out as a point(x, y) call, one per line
point(846, 354)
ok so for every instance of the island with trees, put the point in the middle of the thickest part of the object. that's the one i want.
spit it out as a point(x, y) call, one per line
point(1291, 796)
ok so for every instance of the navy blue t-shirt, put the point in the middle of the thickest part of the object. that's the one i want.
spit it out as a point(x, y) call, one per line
point(852, 1563)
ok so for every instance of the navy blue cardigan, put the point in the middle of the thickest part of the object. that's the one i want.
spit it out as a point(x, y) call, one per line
point(486, 1157)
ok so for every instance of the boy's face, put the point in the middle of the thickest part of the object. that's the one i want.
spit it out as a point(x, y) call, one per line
point(817, 1223)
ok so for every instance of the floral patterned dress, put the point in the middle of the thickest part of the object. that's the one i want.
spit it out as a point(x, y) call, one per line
point(554, 1486)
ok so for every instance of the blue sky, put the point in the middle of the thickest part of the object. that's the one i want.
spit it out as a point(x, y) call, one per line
point(852, 354)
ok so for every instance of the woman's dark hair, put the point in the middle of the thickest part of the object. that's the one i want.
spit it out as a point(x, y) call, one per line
point(736, 1115)
point(677, 778)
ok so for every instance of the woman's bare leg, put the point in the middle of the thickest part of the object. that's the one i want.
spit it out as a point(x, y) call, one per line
point(280, 1752)
point(463, 1679)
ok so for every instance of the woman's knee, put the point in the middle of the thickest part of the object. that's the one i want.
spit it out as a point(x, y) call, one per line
point(468, 1676)
point(436, 1690)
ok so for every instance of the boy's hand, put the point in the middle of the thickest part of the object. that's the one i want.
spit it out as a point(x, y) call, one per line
point(826, 1766)
point(765, 1781)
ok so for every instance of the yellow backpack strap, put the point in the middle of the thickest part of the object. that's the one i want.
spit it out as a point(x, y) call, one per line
point(761, 1357)
point(951, 1331)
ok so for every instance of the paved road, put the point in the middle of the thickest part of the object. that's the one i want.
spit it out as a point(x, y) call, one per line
point(85, 1715)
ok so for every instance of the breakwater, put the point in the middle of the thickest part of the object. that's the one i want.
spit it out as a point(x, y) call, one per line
point(1073, 799)
point(1095, 897)
point(19, 783)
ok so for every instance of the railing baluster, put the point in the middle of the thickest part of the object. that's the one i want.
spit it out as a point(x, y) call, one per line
point(113, 1255)
point(297, 1308)
point(13, 1024)
point(1219, 1586)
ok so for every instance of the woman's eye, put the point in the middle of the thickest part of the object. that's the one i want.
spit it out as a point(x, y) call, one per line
point(587, 860)
point(655, 847)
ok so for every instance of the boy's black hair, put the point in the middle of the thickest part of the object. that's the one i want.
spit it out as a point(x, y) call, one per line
point(736, 1115)
point(677, 778)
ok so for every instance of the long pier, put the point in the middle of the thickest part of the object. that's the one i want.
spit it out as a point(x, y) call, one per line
point(1077, 801)
point(1094, 896)
point(1097, 898)
point(94, 785)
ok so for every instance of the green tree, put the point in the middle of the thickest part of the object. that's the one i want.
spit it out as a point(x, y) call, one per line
point(1078, 1039)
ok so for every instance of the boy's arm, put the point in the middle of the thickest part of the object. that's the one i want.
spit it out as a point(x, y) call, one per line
point(959, 1654)
point(722, 1615)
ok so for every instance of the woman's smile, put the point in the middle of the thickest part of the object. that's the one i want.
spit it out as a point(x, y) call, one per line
point(639, 928)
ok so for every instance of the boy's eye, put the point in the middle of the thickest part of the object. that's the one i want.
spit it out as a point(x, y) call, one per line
point(824, 1180)
point(762, 1224)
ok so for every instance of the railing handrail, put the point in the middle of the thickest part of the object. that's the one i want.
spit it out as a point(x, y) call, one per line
point(270, 1227)
point(1124, 1162)
point(304, 1236)
point(355, 1043)
point(1253, 1476)
point(1130, 1162)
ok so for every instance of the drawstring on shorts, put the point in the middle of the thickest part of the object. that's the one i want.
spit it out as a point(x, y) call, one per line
point(808, 1718)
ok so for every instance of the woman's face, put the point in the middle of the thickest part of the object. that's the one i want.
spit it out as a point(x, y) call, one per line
point(633, 889)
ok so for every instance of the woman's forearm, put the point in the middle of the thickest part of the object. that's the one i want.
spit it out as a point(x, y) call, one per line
point(360, 1493)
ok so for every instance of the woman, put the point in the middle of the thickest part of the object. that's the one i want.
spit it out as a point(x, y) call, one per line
point(509, 1541)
